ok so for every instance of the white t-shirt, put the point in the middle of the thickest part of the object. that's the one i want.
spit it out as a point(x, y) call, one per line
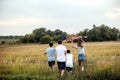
point(69, 60)
point(60, 50)
point(51, 53)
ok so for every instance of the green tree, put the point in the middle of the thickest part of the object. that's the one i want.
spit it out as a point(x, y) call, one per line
point(46, 39)
point(115, 34)
point(50, 33)
point(94, 34)
point(59, 35)
point(56, 37)
point(105, 32)
point(25, 39)
point(39, 33)
point(31, 38)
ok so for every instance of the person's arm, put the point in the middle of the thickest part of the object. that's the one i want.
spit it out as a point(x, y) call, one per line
point(83, 43)
point(65, 52)
point(45, 53)
point(82, 40)
point(65, 58)
point(74, 47)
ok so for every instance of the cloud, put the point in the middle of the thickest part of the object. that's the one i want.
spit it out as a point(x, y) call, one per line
point(91, 2)
point(113, 13)
point(17, 21)
point(26, 21)
point(87, 3)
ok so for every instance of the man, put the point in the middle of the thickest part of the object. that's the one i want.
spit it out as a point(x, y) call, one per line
point(61, 57)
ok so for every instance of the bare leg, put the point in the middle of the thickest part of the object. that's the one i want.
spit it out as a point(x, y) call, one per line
point(62, 72)
point(79, 63)
point(52, 68)
point(59, 71)
point(81, 66)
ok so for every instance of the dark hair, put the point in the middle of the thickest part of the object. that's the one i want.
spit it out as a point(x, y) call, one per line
point(68, 51)
point(50, 44)
point(79, 43)
point(59, 42)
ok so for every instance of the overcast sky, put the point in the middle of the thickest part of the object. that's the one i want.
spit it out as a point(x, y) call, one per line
point(20, 17)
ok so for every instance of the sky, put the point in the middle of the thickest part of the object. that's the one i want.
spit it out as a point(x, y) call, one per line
point(20, 17)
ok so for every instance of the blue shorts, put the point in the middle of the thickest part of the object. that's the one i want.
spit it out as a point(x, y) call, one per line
point(61, 65)
point(81, 57)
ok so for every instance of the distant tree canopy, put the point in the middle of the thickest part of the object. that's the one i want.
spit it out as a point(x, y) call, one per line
point(43, 36)
point(101, 33)
point(10, 37)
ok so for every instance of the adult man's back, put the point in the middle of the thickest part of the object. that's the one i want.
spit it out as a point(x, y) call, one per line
point(61, 51)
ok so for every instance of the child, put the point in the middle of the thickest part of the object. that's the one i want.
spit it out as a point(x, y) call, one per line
point(81, 53)
point(50, 51)
point(69, 61)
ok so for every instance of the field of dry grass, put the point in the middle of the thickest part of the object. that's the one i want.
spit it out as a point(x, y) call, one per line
point(27, 62)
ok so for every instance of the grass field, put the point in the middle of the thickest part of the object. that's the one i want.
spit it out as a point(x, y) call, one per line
point(27, 62)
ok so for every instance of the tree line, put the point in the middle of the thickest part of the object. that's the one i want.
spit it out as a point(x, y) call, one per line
point(97, 33)
point(10, 37)
point(101, 33)
point(43, 35)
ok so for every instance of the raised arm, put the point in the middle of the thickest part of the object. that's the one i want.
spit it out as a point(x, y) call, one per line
point(82, 40)
point(74, 47)
point(83, 43)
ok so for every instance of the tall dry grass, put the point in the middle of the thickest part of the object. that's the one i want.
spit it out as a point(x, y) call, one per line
point(27, 62)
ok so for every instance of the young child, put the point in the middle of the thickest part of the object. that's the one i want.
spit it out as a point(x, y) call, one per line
point(69, 61)
point(81, 53)
point(50, 51)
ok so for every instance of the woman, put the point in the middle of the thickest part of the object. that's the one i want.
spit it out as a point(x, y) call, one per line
point(81, 53)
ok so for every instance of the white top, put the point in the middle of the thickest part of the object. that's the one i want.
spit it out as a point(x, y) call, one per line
point(69, 60)
point(51, 53)
point(80, 50)
point(60, 50)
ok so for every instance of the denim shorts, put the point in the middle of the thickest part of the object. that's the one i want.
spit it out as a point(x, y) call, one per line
point(81, 57)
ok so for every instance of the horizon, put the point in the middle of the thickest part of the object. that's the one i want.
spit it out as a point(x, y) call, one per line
point(59, 29)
